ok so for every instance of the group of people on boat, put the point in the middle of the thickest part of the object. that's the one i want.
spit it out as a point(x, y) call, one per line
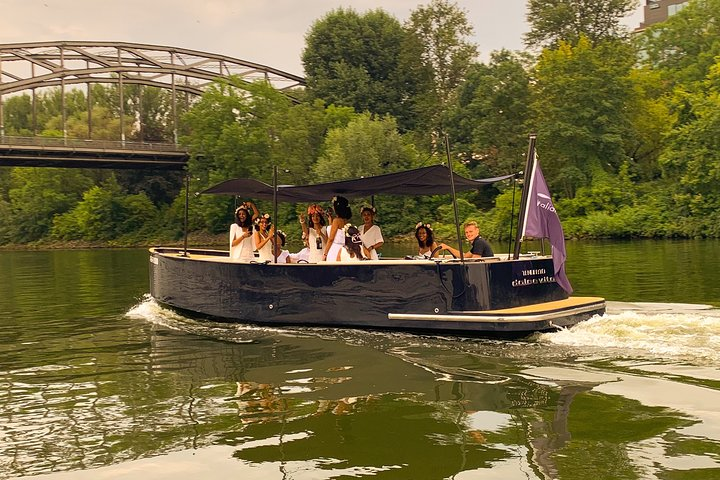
point(328, 236)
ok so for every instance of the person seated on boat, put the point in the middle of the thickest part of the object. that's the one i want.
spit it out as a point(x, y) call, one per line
point(315, 232)
point(241, 242)
point(283, 256)
point(264, 231)
point(371, 235)
point(336, 235)
point(352, 251)
point(479, 246)
point(427, 246)
point(303, 256)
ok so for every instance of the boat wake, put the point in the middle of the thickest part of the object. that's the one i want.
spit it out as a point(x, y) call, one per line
point(634, 331)
point(152, 312)
point(679, 334)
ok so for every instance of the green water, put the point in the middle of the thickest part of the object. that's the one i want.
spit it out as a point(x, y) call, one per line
point(97, 381)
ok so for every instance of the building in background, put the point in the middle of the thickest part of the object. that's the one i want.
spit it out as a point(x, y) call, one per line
point(656, 11)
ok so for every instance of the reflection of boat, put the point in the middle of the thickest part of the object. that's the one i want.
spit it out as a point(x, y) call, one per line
point(511, 294)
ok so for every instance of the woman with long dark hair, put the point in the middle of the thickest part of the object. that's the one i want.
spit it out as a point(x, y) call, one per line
point(352, 250)
point(336, 237)
point(264, 231)
point(241, 242)
point(314, 231)
point(427, 247)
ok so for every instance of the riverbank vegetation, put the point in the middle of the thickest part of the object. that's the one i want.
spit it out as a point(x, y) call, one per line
point(627, 129)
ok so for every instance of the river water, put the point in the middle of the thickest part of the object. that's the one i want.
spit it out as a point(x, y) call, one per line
point(99, 382)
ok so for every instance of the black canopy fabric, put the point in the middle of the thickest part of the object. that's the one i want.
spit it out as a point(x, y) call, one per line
point(434, 180)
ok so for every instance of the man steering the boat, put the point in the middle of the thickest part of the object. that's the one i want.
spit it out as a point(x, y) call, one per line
point(480, 247)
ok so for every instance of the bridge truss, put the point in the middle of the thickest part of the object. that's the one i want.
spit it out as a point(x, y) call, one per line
point(67, 64)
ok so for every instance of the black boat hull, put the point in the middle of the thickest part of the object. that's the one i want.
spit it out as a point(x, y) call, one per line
point(397, 294)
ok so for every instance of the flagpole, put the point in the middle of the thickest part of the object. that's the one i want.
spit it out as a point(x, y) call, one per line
point(529, 163)
point(185, 223)
point(454, 199)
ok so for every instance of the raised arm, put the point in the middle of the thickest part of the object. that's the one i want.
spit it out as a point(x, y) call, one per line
point(255, 214)
point(303, 224)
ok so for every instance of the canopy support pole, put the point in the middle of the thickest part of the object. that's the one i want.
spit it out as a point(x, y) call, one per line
point(187, 203)
point(525, 192)
point(275, 211)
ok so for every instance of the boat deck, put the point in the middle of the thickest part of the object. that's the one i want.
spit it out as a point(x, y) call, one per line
point(536, 312)
point(221, 256)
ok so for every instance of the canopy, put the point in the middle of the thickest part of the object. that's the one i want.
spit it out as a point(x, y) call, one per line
point(433, 180)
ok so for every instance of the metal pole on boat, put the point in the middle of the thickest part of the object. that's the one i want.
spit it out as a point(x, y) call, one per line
point(525, 192)
point(454, 199)
point(512, 213)
point(275, 210)
point(187, 203)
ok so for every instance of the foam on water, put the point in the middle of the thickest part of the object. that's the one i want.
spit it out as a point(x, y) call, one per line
point(150, 311)
point(681, 335)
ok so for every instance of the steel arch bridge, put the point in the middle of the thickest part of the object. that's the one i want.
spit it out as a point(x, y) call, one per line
point(32, 66)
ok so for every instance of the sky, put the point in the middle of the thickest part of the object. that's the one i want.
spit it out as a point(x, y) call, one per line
point(268, 32)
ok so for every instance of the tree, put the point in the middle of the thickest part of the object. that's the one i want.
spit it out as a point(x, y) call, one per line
point(365, 147)
point(489, 124)
point(38, 194)
point(580, 98)
point(692, 157)
point(652, 118)
point(439, 33)
point(685, 46)
point(555, 21)
point(354, 60)
point(105, 213)
point(18, 115)
point(300, 137)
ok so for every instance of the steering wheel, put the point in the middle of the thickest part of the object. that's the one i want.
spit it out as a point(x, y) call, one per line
point(440, 248)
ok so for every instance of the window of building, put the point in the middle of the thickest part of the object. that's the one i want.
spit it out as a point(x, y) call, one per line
point(673, 9)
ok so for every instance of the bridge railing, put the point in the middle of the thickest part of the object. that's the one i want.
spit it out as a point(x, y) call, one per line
point(6, 140)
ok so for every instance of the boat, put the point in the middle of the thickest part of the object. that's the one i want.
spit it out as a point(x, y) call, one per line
point(511, 294)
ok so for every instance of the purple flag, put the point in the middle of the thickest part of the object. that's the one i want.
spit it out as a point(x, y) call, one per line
point(542, 221)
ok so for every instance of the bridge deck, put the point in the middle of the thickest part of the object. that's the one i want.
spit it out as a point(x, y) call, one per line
point(79, 153)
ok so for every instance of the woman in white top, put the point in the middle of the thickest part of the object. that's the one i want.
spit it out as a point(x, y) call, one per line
point(241, 242)
point(264, 231)
point(314, 231)
point(371, 235)
point(337, 235)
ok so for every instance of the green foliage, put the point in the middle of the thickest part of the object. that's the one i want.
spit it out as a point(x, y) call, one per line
point(628, 143)
point(106, 213)
point(489, 123)
point(692, 156)
point(38, 194)
point(365, 147)
point(652, 118)
point(356, 60)
point(440, 33)
point(580, 100)
point(686, 45)
point(555, 21)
